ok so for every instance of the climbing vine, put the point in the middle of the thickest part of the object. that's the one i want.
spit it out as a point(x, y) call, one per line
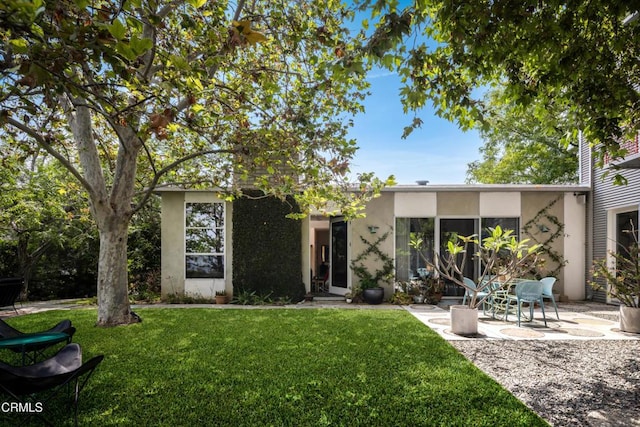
point(556, 231)
point(368, 279)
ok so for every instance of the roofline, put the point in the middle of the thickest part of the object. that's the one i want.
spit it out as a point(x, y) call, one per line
point(178, 189)
point(414, 188)
point(489, 188)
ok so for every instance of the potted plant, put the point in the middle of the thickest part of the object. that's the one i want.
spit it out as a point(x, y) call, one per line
point(401, 294)
point(622, 282)
point(372, 292)
point(221, 297)
point(434, 287)
point(501, 255)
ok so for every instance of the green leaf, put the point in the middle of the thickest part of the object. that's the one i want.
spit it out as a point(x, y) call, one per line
point(117, 30)
point(197, 3)
point(140, 45)
point(125, 50)
point(19, 45)
point(179, 62)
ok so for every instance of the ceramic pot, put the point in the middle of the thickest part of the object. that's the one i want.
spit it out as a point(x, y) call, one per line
point(630, 319)
point(373, 295)
point(464, 320)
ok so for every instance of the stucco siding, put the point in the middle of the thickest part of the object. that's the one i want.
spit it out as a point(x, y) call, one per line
point(415, 205)
point(574, 247)
point(542, 218)
point(172, 241)
point(458, 204)
point(173, 280)
point(379, 213)
point(500, 204)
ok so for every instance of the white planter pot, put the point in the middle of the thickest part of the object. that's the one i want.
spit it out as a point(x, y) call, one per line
point(464, 320)
point(630, 319)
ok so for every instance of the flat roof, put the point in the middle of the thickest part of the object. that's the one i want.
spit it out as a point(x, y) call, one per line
point(429, 188)
point(489, 187)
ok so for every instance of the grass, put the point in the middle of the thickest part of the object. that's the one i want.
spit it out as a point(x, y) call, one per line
point(280, 367)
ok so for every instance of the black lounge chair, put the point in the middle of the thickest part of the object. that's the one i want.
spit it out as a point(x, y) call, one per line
point(10, 289)
point(35, 386)
point(7, 331)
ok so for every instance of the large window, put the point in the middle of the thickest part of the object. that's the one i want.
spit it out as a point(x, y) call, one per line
point(412, 262)
point(204, 240)
point(504, 223)
point(626, 224)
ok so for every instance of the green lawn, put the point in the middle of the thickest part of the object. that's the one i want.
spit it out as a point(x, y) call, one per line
point(280, 367)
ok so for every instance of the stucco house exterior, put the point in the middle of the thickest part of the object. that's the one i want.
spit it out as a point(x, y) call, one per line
point(197, 233)
point(611, 209)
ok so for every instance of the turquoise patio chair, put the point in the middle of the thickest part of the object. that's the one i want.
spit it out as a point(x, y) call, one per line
point(527, 292)
point(479, 295)
point(547, 291)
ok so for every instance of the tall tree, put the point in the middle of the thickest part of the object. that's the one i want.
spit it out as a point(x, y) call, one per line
point(135, 94)
point(581, 56)
point(521, 148)
point(40, 211)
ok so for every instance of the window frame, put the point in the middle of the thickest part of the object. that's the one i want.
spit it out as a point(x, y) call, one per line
point(218, 227)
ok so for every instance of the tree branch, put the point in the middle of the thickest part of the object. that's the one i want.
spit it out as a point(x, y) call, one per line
point(47, 147)
point(170, 167)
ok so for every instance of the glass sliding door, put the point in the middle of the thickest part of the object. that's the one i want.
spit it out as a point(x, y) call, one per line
point(411, 262)
point(450, 229)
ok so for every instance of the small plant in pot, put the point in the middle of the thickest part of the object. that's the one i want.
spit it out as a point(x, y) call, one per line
point(434, 287)
point(370, 282)
point(621, 280)
point(354, 295)
point(502, 257)
point(221, 297)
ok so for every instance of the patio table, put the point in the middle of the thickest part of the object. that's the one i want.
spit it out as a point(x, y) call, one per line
point(498, 302)
point(33, 343)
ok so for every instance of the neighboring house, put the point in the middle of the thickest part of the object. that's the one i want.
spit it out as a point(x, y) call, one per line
point(197, 233)
point(611, 208)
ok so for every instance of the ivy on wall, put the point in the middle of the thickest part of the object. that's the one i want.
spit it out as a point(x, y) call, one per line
point(382, 274)
point(554, 230)
point(267, 246)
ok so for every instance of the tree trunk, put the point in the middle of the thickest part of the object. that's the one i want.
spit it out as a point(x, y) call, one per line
point(113, 281)
point(111, 208)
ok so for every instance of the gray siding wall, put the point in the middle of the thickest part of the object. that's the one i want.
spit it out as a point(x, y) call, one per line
point(606, 196)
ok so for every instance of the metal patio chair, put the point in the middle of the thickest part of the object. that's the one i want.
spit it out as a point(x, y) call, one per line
point(35, 386)
point(527, 292)
point(547, 291)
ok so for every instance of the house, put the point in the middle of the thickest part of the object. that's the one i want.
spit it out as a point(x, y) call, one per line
point(611, 209)
point(201, 233)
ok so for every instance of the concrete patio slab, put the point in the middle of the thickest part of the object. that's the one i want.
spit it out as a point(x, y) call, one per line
point(578, 321)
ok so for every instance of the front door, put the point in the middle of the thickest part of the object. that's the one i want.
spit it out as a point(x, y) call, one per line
point(339, 256)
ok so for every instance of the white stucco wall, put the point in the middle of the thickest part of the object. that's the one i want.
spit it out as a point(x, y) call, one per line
point(172, 241)
point(173, 279)
point(415, 205)
point(500, 204)
point(574, 247)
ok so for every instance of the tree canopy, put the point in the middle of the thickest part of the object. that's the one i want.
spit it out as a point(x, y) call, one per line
point(132, 95)
point(581, 57)
point(521, 148)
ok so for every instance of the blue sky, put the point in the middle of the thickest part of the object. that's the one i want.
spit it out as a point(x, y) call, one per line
point(438, 151)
